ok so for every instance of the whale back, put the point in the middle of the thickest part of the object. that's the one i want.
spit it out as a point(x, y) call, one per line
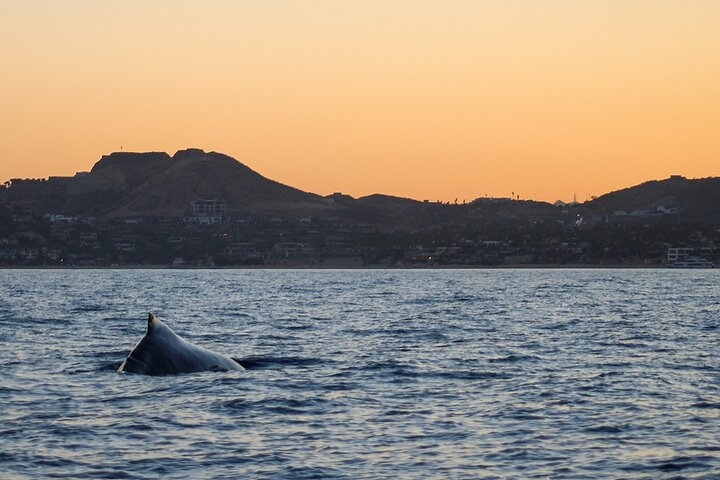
point(162, 352)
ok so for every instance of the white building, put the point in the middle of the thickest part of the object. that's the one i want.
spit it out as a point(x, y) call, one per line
point(679, 253)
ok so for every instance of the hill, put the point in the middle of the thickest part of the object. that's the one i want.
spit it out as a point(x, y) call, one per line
point(697, 199)
point(205, 208)
point(168, 188)
point(155, 184)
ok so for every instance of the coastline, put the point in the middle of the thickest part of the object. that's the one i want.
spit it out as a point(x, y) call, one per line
point(550, 266)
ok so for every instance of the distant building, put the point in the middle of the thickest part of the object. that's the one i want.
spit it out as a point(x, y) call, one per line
point(125, 247)
point(660, 212)
point(208, 207)
point(206, 212)
point(679, 253)
point(669, 210)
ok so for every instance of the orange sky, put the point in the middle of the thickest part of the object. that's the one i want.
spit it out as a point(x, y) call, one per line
point(425, 99)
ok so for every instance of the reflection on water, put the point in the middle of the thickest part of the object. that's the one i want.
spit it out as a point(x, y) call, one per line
point(365, 374)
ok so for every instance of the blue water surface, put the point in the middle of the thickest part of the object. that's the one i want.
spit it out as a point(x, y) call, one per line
point(365, 374)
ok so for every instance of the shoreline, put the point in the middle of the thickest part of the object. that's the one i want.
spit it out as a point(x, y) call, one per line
point(573, 266)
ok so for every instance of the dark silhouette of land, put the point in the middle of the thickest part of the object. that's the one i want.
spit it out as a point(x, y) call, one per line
point(206, 209)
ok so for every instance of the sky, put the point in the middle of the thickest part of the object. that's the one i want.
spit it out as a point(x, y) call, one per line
point(424, 99)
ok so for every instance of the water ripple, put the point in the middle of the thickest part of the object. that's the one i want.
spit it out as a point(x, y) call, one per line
point(365, 374)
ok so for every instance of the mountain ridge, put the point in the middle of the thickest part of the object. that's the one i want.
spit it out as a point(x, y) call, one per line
point(695, 197)
point(156, 184)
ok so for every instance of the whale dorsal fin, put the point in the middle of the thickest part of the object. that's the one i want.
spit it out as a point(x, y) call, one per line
point(151, 317)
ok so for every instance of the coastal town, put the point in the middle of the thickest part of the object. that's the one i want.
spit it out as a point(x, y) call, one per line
point(206, 209)
point(211, 236)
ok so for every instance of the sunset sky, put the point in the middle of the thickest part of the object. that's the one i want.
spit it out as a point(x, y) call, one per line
point(424, 99)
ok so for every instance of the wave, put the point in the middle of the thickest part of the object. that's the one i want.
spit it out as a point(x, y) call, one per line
point(256, 362)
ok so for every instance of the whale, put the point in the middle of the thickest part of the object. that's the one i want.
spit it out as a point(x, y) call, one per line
point(162, 352)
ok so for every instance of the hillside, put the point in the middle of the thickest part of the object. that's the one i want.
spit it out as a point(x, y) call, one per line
point(155, 184)
point(203, 209)
point(194, 174)
point(698, 198)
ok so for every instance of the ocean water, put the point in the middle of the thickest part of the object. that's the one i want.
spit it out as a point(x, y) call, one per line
point(365, 374)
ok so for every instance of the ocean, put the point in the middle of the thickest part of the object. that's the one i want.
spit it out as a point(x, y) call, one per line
point(365, 374)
